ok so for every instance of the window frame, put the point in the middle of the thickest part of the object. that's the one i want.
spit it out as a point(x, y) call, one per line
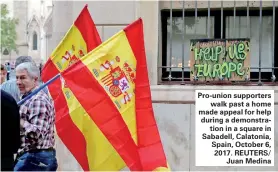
point(35, 46)
point(216, 13)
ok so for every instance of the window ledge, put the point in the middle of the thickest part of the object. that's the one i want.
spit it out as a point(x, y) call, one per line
point(185, 94)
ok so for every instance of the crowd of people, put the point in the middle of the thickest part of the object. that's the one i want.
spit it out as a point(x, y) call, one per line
point(27, 131)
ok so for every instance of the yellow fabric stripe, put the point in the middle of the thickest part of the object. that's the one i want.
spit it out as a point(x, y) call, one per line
point(116, 52)
point(72, 45)
point(101, 154)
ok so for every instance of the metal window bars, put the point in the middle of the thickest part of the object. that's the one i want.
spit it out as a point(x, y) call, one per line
point(183, 79)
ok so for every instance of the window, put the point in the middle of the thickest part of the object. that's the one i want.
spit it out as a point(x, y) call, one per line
point(240, 31)
point(6, 52)
point(199, 30)
point(35, 41)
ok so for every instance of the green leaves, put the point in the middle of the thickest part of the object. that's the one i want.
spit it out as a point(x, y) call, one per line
point(8, 31)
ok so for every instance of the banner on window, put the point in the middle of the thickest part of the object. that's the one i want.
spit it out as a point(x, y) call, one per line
point(219, 59)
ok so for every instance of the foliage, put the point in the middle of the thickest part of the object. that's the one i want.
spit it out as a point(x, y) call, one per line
point(177, 24)
point(8, 30)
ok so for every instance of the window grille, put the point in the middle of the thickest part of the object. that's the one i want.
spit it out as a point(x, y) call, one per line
point(182, 26)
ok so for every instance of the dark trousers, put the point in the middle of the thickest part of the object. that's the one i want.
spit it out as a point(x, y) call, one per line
point(41, 160)
point(8, 76)
point(7, 162)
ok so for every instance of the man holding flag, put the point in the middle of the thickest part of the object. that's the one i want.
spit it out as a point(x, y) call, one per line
point(36, 152)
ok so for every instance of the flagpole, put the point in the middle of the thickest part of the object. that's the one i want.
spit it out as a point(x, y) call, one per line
point(38, 89)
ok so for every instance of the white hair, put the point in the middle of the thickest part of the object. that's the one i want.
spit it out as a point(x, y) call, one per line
point(31, 68)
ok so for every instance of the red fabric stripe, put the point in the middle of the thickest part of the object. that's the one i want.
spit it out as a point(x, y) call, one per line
point(48, 72)
point(87, 28)
point(149, 143)
point(103, 112)
point(65, 127)
point(71, 136)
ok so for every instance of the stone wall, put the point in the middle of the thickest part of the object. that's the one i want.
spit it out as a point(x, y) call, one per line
point(110, 17)
point(176, 123)
point(176, 118)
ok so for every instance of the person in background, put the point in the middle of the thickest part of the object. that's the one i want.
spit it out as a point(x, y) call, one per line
point(10, 131)
point(40, 69)
point(37, 118)
point(10, 86)
point(3, 73)
point(8, 67)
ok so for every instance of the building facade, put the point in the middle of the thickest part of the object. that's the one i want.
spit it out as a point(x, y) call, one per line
point(32, 30)
point(168, 29)
point(174, 95)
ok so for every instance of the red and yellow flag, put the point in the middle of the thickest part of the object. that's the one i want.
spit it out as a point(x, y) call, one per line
point(115, 92)
point(74, 127)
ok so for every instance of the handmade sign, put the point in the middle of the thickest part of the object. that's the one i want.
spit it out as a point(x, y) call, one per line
point(225, 59)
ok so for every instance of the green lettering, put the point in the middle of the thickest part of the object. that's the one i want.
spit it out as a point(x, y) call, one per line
point(239, 66)
point(199, 69)
point(224, 69)
point(230, 52)
point(216, 70)
point(207, 70)
point(207, 53)
point(240, 49)
point(209, 58)
point(198, 54)
point(232, 68)
point(235, 51)
point(218, 51)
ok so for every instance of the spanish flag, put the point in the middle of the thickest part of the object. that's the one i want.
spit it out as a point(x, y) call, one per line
point(73, 125)
point(111, 82)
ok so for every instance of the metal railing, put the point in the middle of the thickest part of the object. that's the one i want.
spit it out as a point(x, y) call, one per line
point(169, 69)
